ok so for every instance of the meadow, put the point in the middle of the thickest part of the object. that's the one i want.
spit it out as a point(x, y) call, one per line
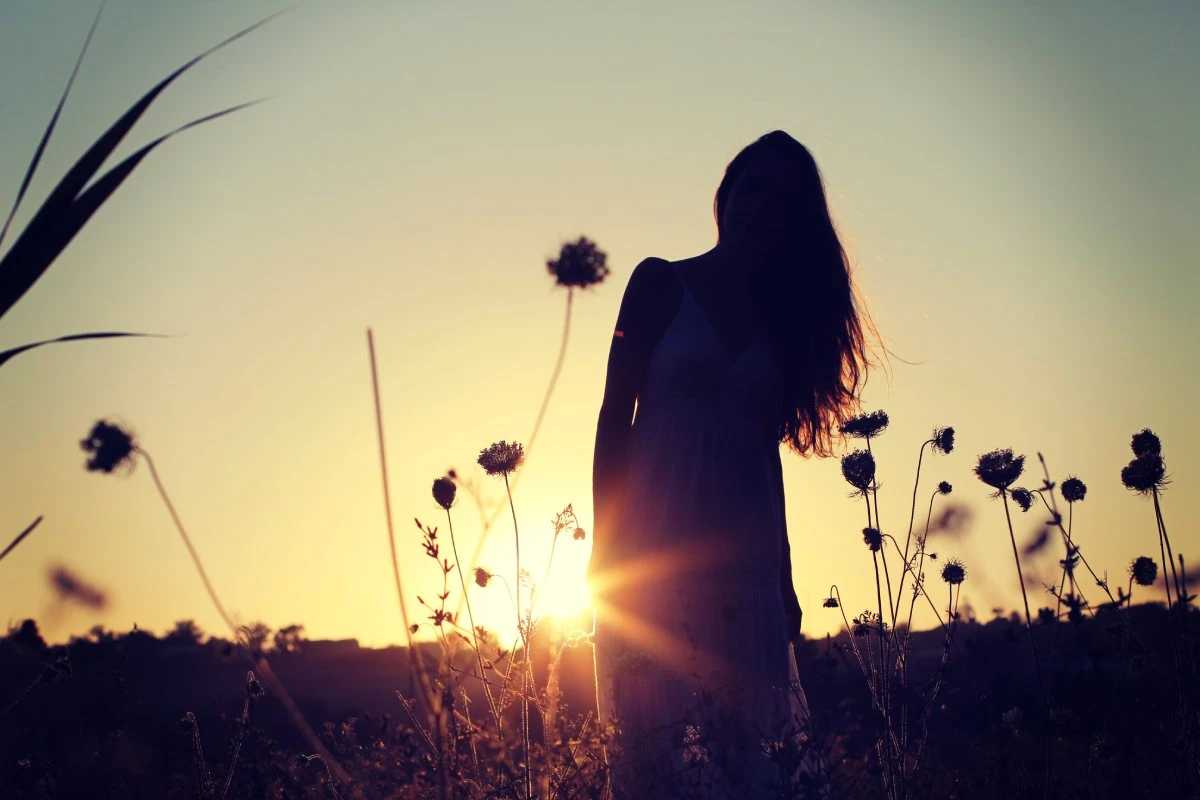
point(1084, 694)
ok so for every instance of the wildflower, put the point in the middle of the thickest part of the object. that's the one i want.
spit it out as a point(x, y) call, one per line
point(414, 628)
point(254, 689)
point(954, 572)
point(999, 468)
point(865, 426)
point(110, 446)
point(858, 468)
point(943, 439)
point(873, 539)
point(580, 534)
point(945, 488)
point(482, 577)
point(1073, 489)
point(1145, 473)
point(830, 602)
point(1144, 570)
point(501, 458)
point(1023, 498)
point(1146, 443)
point(443, 492)
point(579, 263)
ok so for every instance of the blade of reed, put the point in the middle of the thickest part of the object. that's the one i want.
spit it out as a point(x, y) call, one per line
point(48, 231)
point(32, 254)
point(41, 148)
point(21, 536)
point(5, 355)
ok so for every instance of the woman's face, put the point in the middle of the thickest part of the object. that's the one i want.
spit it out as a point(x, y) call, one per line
point(762, 202)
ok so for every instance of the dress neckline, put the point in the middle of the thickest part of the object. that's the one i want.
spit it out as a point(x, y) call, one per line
point(713, 328)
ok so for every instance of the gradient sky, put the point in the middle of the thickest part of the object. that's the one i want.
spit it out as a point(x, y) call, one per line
point(1016, 182)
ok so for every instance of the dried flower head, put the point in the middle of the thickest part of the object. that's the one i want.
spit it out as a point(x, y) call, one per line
point(482, 577)
point(254, 689)
point(71, 588)
point(866, 426)
point(1073, 489)
point(1023, 497)
point(110, 447)
point(1146, 443)
point(943, 439)
point(444, 491)
point(580, 534)
point(945, 488)
point(579, 263)
point(1145, 473)
point(1144, 570)
point(501, 458)
point(858, 468)
point(999, 468)
point(830, 602)
point(954, 572)
point(873, 539)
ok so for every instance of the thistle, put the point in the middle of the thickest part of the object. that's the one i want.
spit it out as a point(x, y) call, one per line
point(944, 488)
point(1145, 443)
point(1023, 497)
point(579, 264)
point(865, 426)
point(111, 447)
point(873, 539)
point(1000, 468)
point(1143, 570)
point(943, 440)
point(1073, 490)
point(858, 468)
point(501, 458)
point(954, 572)
point(1145, 474)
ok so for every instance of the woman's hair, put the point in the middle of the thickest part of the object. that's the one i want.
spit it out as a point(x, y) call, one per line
point(801, 280)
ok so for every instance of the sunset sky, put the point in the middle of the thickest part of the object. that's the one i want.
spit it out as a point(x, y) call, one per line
point(1017, 184)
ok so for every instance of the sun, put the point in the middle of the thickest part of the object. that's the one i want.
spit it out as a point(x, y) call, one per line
point(564, 597)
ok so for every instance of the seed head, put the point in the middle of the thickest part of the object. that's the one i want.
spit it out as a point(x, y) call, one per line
point(1144, 570)
point(999, 468)
point(954, 572)
point(110, 447)
point(866, 426)
point(830, 602)
point(444, 491)
point(482, 577)
point(943, 439)
point(254, 689)
point(1145, 473)
point(501, 458)
point(1146, 443)
point(945, 488)
point(579, 263)
point(1023, 498)
point(873, 539)
point(1073, 489)
point(858, 468)
point(580, 534)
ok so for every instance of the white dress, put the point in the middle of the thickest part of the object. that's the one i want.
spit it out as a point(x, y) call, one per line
point(692, 654)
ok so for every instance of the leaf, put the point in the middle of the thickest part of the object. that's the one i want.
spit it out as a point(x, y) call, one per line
point(74, 337)
point(65, 211)
point(21, 536)
point(41, 148)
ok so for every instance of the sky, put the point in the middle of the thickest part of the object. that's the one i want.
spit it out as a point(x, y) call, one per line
point(1016, 184)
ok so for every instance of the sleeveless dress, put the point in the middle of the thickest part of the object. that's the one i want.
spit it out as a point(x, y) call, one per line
point(692, 656)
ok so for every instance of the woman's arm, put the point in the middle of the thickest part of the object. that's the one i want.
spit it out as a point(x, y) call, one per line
point(639, 324)
point(791, 603)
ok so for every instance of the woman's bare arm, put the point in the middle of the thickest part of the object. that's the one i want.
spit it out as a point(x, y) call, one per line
point(640, 323)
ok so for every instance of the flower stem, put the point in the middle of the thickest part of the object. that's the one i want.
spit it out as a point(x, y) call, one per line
point(523, 630)
point(474, 637)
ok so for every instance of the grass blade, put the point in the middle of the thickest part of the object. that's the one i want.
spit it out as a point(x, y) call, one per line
point(41, 148)
point(5, 355)
point(21, 536)
point(44, 230)
point(36, 249)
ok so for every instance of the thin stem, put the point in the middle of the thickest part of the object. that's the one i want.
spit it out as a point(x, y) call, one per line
point(525, 645)
point(912, 515)
point(414, 656)
point(471, 616)
point(1162, 527)
point(21, 536)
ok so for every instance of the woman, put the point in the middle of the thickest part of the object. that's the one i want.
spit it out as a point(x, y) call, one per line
point(727, 354)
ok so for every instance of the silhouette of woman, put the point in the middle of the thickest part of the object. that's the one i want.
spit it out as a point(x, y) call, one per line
point(727, 354)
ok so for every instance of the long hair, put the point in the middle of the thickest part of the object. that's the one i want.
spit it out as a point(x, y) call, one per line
point(801, 280)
